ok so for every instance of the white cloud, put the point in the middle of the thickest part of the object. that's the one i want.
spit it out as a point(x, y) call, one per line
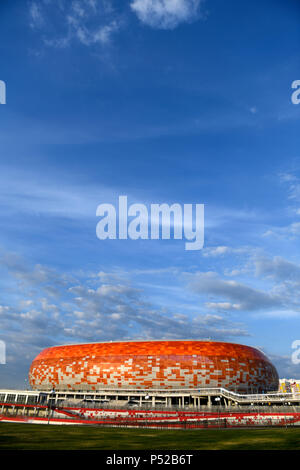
point(216, 251)
point(290, 232)
point(78, 8)
point(166, 14)
point(88, 22)
point(49, 307)
point(293, 185)
point(233, 294)
point(277, 268)
point(283, 314)
point(104, 34)
point(285, 367)
point(35, 14)
point(23, 192)
point(222, 306)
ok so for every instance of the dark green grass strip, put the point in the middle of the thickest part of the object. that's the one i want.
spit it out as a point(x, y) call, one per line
point(46, 437)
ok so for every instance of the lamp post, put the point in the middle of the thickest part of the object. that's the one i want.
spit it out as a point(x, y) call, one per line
point(50, 403)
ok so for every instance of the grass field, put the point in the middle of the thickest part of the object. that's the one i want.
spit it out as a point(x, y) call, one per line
point(44, 437)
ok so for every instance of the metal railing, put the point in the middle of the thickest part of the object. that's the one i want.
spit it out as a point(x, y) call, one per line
point(28, 397)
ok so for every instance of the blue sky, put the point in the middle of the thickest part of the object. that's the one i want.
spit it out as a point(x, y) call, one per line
point(162, 101)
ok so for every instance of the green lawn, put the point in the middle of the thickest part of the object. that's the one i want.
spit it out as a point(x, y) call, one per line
point(33, 436)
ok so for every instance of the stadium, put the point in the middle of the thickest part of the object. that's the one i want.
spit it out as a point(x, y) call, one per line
point(159, 382)
point(154, 364)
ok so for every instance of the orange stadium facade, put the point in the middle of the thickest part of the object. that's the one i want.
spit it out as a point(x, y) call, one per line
point(143, 365)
